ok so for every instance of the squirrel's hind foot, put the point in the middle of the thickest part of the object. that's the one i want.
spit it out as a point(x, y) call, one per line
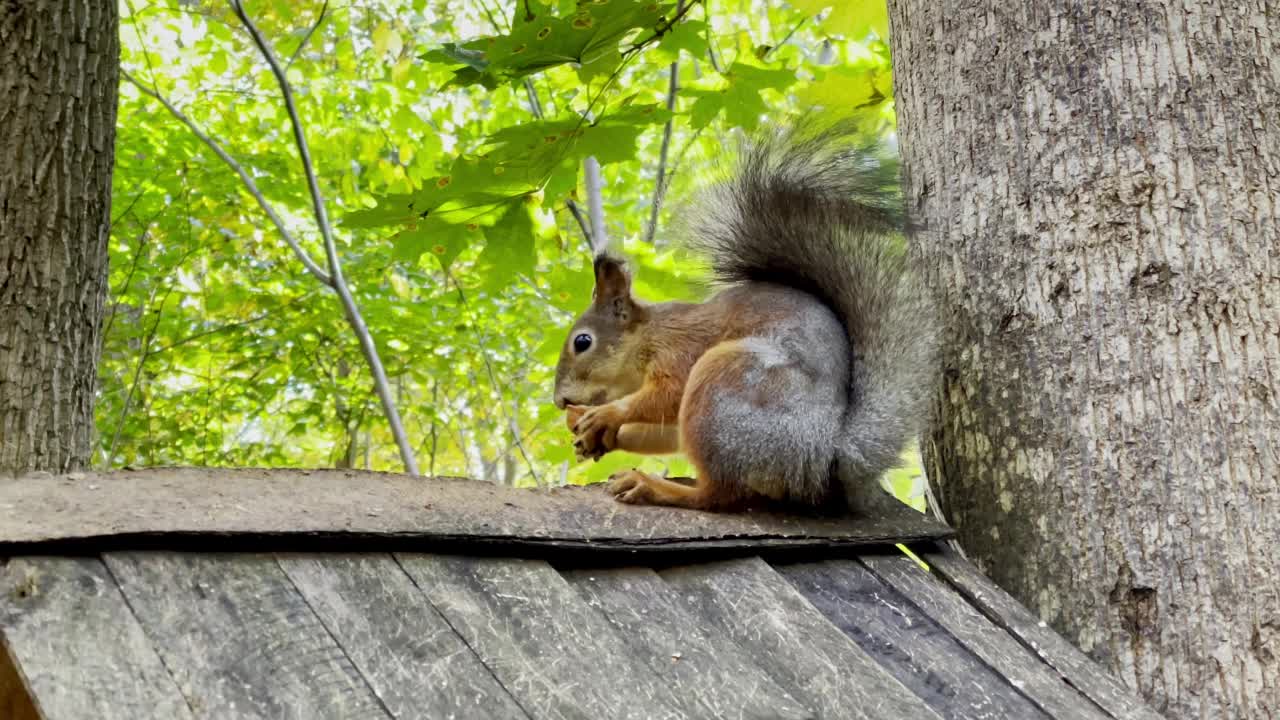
point(640, 488)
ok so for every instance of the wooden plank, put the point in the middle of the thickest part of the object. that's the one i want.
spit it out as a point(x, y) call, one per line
point(1049, 646)
point(77, 646)
point(413, 660)
point(702, 667)
point(239, 638)
point(907, 643)
point(556, 655)
point(15, 703)
point(1038, 681)
point(259, 510)
point(808, 656)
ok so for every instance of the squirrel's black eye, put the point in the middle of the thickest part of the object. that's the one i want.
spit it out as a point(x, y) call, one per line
point(581, 343)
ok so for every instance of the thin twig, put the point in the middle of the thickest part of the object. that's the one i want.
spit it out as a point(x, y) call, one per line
point(785, 38)
point(233, 325)
point(338, 282)
point(535, 105)
point(146, 355)
point(435, 394)
point(514, 428)
point(660, 185)
point(245, 177)
point(133, 268)
point(582, 223)
point(146, 54)
point(128, 209)
point(712, 55)
point(684, 149)
point(310, 31)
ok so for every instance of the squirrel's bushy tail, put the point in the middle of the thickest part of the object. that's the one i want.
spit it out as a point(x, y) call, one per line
point(807, 207)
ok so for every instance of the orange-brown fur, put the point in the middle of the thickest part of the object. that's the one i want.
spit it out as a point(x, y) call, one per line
point(679, 357)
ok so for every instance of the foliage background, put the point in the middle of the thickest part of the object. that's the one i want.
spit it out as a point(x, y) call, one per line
point(222, 350)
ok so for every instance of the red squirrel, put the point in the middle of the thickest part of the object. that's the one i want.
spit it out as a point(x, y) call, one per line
point(803, 377)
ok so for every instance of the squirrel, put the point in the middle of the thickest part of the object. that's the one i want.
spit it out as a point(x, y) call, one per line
point(801, 380)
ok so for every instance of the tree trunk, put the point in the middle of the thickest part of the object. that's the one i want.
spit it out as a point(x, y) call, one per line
point(59, 61)
point(1099, 189)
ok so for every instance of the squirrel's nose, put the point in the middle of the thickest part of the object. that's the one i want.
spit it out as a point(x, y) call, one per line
point(561, 401)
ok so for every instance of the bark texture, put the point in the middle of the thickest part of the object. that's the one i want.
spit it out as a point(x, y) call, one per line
point(59, 62)
point(1099, 185)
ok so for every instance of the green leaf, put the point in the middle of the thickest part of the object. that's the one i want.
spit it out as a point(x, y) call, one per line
point(613, 138)
point(708, 105)
point(689, 36)
point(570, 289)
point(509, 251)
point(563, 179)
point(744, 106)
point(558, 453)
point(540, 40)
point(218, 62)
point(548, 352)
point(454, 54)
point(438, 238)
point(603, 66)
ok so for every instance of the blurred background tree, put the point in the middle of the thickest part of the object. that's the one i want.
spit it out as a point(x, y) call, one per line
point(448, 141)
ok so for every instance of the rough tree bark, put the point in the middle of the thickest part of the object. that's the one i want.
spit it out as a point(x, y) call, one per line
point(1100, 189)
point(59, 61)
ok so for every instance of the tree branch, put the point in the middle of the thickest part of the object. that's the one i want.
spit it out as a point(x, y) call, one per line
point(245, 178)
point(337, 281)
point(595, 204)
point(582, 223)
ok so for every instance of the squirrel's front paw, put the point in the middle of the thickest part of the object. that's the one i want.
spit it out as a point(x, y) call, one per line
point(597, 431)
point(629, 486)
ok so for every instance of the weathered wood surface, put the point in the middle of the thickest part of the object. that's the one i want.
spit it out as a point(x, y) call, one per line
point(174, 635)
point(297, 509)
point(1089, 677)
point(750, 603)
point(553, 652)
point(77, 646)
point(404, 649)
point(701, 665)
point(15, 703)
point(239, 638)
point(910, 645)
point(992, 643)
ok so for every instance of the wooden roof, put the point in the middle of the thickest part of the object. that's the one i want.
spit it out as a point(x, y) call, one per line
point(455, 599)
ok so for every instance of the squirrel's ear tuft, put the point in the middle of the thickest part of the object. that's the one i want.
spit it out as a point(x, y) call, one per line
point(613, 281)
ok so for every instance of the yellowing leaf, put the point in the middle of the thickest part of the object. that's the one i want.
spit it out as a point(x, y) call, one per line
point(386, 39)
point(840, 88)
point(854, 18)
point(399, 285)
point(400, 71)
point(884, 83)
